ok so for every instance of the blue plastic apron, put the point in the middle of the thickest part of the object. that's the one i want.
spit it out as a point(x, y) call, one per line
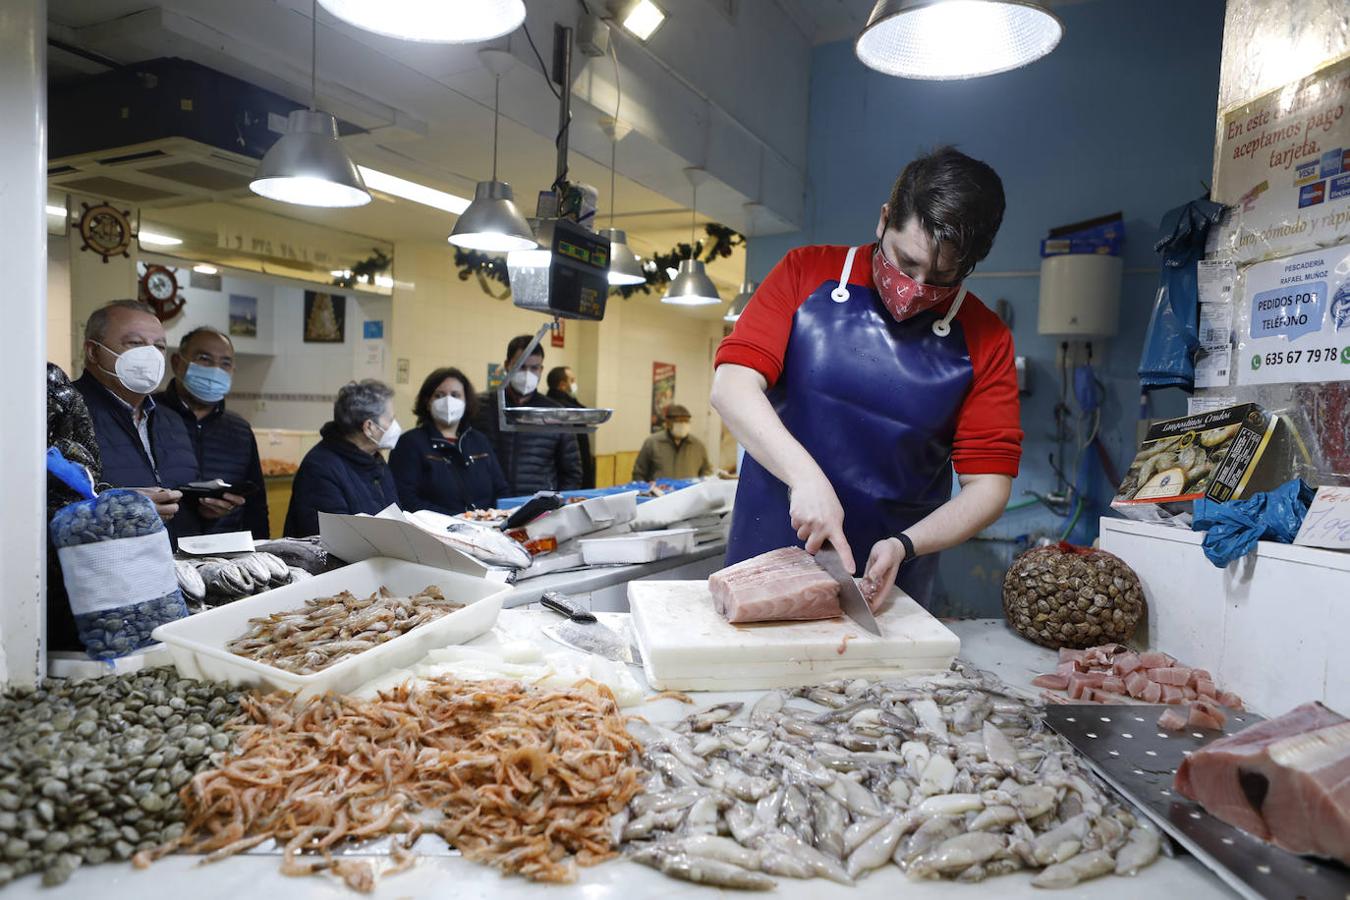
point(875, 403)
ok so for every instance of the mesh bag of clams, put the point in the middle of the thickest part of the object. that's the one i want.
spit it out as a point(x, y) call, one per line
point(118, 569)
point(1067, 596)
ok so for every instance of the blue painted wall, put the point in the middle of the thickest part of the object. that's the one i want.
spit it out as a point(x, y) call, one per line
point(1119, 117)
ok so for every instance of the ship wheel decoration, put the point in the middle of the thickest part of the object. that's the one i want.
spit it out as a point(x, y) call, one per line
point(159, 289)
point(106, 230)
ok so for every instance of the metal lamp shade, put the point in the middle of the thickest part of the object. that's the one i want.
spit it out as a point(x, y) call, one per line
point(741, 300)
point(692, 286)
point(955, 39)
point(624, 268)
point(492, 223)
point(308, 167)
point(432, 21)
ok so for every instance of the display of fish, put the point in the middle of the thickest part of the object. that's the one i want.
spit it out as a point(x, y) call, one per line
point(1285, 780)
point(483, 543)
point(946, 775)
point(785, 584)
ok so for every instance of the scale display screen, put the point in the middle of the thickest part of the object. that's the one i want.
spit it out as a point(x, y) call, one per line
point(568, 277)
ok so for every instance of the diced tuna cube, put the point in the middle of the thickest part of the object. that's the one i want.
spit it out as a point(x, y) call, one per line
point(1172, 694)
point(1152, 692)
point(1068, 655)
point(1174, 675)
point(1189, 692)
point(1205, 688)
point(1052, 682)
point(1230, 700)
point(1076, 686)
point(1200, 675)
point(1066, 668)
point(1172, 720)
point(1206, 715)
point(1125, 663)
point(1135, 683)
point(1093, 679)
point(1113, 684)
point(1155, 660)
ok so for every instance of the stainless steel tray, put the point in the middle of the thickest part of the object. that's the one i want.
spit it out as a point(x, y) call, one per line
point(552, 415)
point(1126, 747)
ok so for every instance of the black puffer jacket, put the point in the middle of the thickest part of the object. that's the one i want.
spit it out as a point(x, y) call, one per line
point(532, 460)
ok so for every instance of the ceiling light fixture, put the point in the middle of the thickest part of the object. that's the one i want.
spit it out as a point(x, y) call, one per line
point(307, 166)
point(692, 286)
point(204, 269)
point(642, 18)
point(954, 39)
point(432, 21)
point(492, 223)
point(411, 190)
point(155, 239)
point(56, 210)
point(625, 269)
point(741, 300)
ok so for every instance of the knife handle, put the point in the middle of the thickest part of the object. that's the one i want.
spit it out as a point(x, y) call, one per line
point(561, 603)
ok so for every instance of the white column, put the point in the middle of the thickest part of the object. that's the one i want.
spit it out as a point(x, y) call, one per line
point(23, 193)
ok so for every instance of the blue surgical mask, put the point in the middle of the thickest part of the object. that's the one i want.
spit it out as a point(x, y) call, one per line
point(207, 383)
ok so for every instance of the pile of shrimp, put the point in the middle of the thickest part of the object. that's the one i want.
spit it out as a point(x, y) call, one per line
point(520, 778)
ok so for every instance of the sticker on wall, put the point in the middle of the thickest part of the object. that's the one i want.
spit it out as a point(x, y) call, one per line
point(243, 316)
point(558, 336)
point(1284, 165)
point(402, 370)
point(325, 318)
point(1298, 328)
point(663, 392)
point(373, 330)
point(494, 376)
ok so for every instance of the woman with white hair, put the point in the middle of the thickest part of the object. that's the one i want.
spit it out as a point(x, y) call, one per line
point(344, 472)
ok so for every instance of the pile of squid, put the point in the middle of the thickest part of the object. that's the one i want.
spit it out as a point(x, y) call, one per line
point(521, 778)
point(944, 776)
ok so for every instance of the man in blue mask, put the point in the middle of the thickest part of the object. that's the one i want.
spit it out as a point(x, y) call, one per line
point(203, 370)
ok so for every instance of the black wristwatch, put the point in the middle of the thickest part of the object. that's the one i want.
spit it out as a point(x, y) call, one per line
point(908, 545)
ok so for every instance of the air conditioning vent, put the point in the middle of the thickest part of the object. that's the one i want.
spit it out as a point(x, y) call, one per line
point(103, 186)
point(200, 175)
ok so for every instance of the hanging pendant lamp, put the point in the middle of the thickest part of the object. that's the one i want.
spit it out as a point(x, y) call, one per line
point(307, 165)
point(432, 21)
point(691, 285)
point(740, 301)
point(954, 39)
point(493, 223)
point(625, 268)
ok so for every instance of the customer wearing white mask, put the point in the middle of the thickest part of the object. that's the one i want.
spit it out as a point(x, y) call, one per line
point(672, 452)
point(532, 460)
point(445, 464)
point(345, 473)
point(142, 448)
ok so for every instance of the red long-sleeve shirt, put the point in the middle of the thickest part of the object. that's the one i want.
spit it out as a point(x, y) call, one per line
point(988, 437)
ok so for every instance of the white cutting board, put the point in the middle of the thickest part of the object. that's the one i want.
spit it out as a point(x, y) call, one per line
point(687, 645)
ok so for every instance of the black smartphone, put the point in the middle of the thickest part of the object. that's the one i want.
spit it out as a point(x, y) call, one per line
point(217, 488)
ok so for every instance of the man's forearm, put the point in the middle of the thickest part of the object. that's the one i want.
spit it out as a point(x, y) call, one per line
point(738, 397)
point(978, 505)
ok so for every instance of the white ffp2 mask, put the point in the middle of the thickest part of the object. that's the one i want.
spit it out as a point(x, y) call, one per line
point(140, 369)
point(447, 410)
point(524, 382)
point(390, 436)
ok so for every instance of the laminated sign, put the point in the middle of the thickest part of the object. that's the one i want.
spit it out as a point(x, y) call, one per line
point(1298, 311)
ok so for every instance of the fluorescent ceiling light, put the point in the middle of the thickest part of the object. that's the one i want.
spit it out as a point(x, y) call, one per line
point(954, 39)
point(204, 269)
point(384, 281)
point(643, 18)
point(55, 210)
point(341, 273)
point(432, 21)
point(411, 190)
point(156, 239)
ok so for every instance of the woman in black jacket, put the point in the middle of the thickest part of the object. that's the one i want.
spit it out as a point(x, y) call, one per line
point(444, 464)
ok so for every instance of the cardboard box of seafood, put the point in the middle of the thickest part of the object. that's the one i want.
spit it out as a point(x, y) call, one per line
point(1215, 454)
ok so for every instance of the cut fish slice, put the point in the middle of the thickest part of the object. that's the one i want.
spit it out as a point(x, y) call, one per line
point(785, 584)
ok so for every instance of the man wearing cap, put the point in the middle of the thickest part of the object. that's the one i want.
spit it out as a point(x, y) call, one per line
point(672, 452)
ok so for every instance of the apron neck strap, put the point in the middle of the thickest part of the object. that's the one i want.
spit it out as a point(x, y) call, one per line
point(840, 294)
point(943, 326)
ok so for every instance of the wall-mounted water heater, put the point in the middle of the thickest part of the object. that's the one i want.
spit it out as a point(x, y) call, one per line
point(1080, 295)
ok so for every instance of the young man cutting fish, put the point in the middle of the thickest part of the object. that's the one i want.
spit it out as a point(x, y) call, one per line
point(857, 378)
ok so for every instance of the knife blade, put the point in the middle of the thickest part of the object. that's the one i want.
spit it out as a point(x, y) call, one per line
point(851, 599)
point(583, 632)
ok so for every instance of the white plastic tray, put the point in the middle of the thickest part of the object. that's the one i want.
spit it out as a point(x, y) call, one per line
point(707, 497)
point(587, 517)
point(197, 643)
point(639, 547)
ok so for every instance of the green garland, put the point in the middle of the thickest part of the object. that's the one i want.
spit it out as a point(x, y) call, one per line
point(375, 264)
point(721, 242)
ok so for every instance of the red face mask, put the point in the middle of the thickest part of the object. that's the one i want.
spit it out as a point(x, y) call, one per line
point(904, 297)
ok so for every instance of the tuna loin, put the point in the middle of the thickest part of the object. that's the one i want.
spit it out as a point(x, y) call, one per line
point(782, 584)
point(1286, 780)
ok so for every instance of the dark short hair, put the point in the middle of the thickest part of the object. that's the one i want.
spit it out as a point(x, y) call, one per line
point(97, 326)
point(557, 376)
point(197, 332)
point(422, 405)
point(519, 343)
point(676, 411)
point(358, 402)
point(957, 200)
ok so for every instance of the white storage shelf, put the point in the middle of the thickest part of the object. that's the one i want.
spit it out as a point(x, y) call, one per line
point(1270, 626)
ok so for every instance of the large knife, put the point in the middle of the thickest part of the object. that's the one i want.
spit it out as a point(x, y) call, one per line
point(851, 599)
point(583, 632)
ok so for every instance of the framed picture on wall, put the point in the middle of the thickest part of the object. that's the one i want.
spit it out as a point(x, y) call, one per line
point(325, 318)
point(663, 392)
point(243, 316)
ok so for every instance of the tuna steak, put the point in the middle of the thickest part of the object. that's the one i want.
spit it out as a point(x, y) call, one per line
point(779, 585)
point(1286, 780)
